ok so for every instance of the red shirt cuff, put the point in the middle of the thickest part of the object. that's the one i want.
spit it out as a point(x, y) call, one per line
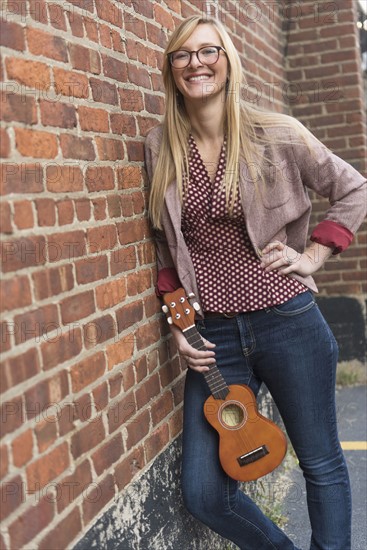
point(167, 281)
point(333, 235)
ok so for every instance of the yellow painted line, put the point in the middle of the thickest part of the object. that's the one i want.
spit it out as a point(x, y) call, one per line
point(354, 445)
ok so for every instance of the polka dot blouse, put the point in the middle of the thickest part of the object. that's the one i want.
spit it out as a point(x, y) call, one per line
point(227, 269)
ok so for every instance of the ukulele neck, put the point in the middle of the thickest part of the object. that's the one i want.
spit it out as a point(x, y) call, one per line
point(213, 377)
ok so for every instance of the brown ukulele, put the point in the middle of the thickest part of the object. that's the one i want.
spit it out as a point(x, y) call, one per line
point(250, 445)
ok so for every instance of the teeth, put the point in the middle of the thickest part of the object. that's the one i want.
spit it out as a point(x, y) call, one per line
point(201, 77)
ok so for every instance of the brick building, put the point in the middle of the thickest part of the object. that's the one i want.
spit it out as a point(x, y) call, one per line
point(91, 386)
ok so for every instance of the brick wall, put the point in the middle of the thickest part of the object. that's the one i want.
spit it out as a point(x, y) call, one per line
point(91, 388)
point(324, 67)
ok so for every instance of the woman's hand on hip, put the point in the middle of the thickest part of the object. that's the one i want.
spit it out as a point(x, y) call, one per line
point(285, 260)
point(195, 359)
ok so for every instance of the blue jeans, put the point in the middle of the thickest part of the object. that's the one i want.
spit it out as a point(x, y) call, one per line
point(291, 349)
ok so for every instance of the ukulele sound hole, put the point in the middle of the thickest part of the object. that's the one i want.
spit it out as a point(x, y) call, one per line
point(232, 415)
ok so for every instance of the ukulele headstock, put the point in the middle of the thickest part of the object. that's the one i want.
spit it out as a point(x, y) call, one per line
point(182, 314)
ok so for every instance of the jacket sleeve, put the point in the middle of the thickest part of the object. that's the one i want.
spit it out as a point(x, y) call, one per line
point(167, 278)
point(344, 187)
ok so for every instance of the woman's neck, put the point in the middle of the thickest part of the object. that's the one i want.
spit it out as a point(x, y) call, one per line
point(207, 121)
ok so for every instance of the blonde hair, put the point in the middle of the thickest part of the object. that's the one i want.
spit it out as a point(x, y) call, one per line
point(243, 119)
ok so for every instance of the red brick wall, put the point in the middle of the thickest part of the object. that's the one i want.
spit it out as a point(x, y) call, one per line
point(324, 67)
point(89, 394)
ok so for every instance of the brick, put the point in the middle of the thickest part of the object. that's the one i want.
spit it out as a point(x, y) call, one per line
point(175, 424)
point(87, 371)
point(137, 429)
point(53, 281)
point(22, 253)
point(4, 143)
point(141, 368)
point(123, 259)
point(74, 484)
point(70, 83)
point(65, 211)
point(111, 293)
point(99, 178)
point(57, 16)
point(114, 68)
point(129, 177)
point(58, 114)
point(114, 206)
point(135, 151)
point(91, 28)
point(161, 407)
point(64, 532)
point(4, 461)
point(121, 411)
point(12, 35)
point(123, 124)
point(156, 442)
point(21, 178)
point(101, 397)
point(98, 331)
point(109, 12)
point(46, 433)
point(5, 218)
point(93, 120)
point(119, 352)
point(47, 467)
point(46, 212)
point(131, 99)
point(91, 269)
point(129, 315)
point(66, 246)
point(129, 467)
point(38, 10)
point(147, 335)
point(139, 76)
point(36, 518)
point(12, 495)
point(163, 17)
point(48, 45)
point(132, 231)
point(12, 415)
point(135, 26)
point(45, 395)
point(15, 293)
point(110, 149)
point(137, 283)
point(76, 147)
point(63, 179)
point(108, 454)
point(18, 108)
point(83, 209)
point(6, 331)
point(20, 368)
point(76, 24)
point(101, 238)
point(115, 385)
point(77, 307)
point(98, 497)
point(88, 437)
point(84, 59)
point(23, 214)
point(103, 92)
point(33, 143)
point(61, 348)
point(147, 391)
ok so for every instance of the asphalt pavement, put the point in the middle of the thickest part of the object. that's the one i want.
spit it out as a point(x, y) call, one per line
point(352, 425)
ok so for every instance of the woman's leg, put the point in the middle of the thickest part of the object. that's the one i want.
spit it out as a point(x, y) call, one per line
point(209, 494)
point(296, 358)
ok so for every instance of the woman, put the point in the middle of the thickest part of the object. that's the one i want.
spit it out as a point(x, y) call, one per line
point(231, 213)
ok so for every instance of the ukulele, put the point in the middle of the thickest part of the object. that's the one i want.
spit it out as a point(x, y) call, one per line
point(250, 445)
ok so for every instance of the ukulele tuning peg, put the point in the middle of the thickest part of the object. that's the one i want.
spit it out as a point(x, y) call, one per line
point(165, 309)
point(169, 320)
point(196, 306)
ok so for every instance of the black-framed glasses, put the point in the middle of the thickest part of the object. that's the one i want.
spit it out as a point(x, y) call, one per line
point(208, 55)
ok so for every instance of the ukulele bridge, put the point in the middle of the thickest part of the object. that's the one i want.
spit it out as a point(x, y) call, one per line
point(252, 456)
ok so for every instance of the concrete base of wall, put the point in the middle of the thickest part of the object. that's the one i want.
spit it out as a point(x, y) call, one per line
point(150, 514)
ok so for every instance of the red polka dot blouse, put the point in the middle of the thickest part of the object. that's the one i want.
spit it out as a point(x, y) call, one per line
point(227, 269)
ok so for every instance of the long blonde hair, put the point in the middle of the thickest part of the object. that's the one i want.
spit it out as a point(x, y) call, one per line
point(243, 120)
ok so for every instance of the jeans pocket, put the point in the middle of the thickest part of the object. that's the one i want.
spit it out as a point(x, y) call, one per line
point(295, 306)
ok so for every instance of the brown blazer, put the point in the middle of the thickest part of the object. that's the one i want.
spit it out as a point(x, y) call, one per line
point(280, 211)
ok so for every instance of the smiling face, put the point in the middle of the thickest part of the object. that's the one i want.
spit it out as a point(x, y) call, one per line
point(200, 81)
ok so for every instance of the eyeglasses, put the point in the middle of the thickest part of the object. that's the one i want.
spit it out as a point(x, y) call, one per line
point(207, 56)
